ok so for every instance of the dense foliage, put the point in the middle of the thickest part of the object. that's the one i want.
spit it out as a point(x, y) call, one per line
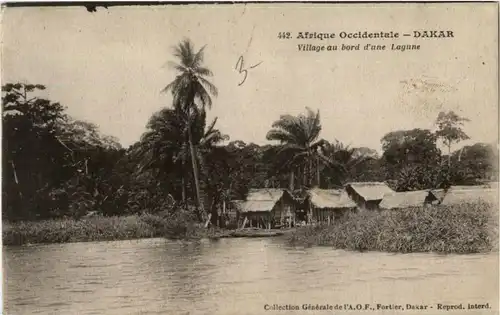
point(55, 166)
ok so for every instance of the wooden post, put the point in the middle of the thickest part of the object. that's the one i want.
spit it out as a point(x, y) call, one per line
point(309, 212)
point(244, 222)
point(328, 218)
point(282, 209)
point(309, 215)
point(208, 220)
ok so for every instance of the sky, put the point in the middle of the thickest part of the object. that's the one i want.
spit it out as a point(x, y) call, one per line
point(109, 67)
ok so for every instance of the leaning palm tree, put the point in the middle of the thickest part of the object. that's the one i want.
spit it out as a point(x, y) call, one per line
point(191, 91)
point(163, 148)
point(299, 145)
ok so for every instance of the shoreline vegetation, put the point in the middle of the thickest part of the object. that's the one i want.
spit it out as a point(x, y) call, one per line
point(463, 229)
point(118, 228)
point(100, 228)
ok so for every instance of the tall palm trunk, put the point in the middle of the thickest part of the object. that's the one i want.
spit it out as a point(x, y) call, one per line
point(460, 154)
point(183, 183)
point(304, 176)
point(449, 154)
point(292, 179)
point(14, 172)
point(199, 204)
point(318, 179)
point(310, 172)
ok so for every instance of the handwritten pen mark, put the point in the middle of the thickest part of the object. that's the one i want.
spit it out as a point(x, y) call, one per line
point(240, 68)
point(250, 40)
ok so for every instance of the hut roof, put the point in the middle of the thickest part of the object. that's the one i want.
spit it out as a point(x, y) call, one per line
point(330, 198)
point(492, 185)
point(259, 200)
point(468, 187)
point(460, 196)
point(438, 194)
point(371, 190)
point(404, 199)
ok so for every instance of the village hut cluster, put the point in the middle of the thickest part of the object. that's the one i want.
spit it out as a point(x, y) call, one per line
point(280, 208)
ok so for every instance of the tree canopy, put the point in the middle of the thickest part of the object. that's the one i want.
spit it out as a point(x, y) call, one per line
point(55, 165)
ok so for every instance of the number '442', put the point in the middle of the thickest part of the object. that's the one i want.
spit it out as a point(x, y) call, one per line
point(284, 35)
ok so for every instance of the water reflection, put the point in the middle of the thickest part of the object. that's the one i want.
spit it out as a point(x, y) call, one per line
point(231, 276)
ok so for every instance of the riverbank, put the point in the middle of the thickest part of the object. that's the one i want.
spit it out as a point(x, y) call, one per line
point(462, 229)
point(100, 228)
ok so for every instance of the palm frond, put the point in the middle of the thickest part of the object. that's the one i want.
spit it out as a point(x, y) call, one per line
point(203, 72)
point(212, 89)
point(280, 135)
point(173, 86)
point(177, 67)
point(184, 51)
point(198, 57)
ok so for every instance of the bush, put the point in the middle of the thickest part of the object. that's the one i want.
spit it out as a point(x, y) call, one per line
point(465, 228)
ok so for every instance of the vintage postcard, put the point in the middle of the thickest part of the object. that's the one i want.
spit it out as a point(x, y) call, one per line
point(250, 158)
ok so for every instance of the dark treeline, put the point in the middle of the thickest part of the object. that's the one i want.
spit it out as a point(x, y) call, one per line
point(55, 166)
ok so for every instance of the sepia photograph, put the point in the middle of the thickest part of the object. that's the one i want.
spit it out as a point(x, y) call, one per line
point(250, 158)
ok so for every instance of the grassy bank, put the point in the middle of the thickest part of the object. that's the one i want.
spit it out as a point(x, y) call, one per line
point(102, 229)
point(467, 228)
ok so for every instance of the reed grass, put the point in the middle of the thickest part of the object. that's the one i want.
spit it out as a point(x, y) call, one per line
point(462, 229)
point(100, 228)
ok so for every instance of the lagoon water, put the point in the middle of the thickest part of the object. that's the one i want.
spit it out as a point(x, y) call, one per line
point(235, 277)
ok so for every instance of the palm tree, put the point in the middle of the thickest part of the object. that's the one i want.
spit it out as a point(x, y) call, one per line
point(299, 145)
point(348, 161)
point(164, 146)
point(191, 91)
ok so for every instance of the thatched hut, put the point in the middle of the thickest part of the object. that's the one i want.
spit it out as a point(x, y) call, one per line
point(461, 196)
point(268, 208)
point(492, 185)
point(367, 195)
point(468, 187)
point(327, 205)
point(407, 199)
